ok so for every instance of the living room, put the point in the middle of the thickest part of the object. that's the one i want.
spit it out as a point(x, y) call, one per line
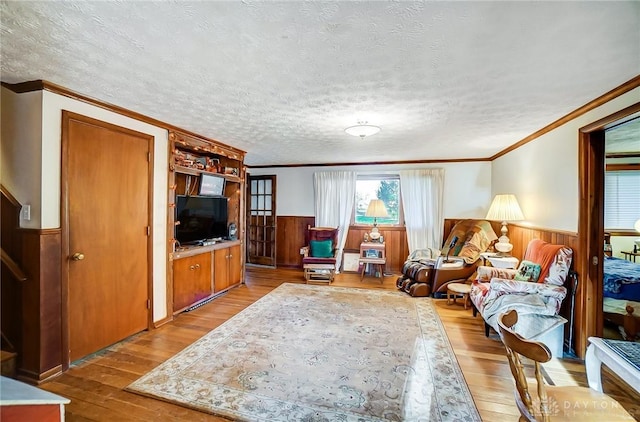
point(543, 169)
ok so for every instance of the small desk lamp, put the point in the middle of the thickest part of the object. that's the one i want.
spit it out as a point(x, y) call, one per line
point(504, 208)
point(376, 209)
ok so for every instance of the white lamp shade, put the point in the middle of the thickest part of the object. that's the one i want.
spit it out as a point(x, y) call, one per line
point(636, 225)
point(505, 208)
point(377, 209)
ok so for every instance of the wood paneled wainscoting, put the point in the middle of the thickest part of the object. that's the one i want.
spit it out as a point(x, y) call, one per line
point(291, 232)
point(291, 235)
point(31, 308)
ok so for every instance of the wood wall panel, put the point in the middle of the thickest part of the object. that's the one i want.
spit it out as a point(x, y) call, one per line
point(41, 305)
point(395, 239)
point(290, 237)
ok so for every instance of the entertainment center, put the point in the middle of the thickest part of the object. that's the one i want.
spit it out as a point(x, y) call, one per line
point(205, 219)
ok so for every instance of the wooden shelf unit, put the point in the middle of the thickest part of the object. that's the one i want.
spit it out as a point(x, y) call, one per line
point(210, 275)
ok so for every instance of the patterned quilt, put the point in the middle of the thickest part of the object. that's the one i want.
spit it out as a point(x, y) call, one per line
point(618, 272)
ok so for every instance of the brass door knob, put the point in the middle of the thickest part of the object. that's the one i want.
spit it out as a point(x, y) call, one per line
point(77, 256)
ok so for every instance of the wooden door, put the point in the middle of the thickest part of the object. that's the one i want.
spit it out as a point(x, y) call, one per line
point(220, 269)
point(261, 220)
point(106, 228)
point(191, 280)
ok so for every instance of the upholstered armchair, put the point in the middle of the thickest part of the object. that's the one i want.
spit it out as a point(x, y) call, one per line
point(536, 287)
point(428, 271)
point(319, 253)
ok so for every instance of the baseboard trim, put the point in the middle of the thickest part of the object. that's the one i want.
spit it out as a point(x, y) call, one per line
point(35, 378)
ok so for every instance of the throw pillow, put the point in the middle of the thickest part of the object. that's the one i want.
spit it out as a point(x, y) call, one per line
point(528, 271)
point(321, 248)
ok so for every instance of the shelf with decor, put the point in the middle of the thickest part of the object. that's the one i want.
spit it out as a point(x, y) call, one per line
point(204, 175)
point(196, 172)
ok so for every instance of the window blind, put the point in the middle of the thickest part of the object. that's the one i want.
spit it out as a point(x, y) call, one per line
point(621, 199)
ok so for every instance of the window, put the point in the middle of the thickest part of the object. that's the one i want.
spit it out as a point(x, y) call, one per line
point(386, 188)
point(621, 199)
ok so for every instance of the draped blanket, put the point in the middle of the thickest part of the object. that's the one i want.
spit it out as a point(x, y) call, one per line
point(525, 297)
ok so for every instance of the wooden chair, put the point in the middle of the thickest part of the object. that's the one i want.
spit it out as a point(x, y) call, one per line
point(552, 402)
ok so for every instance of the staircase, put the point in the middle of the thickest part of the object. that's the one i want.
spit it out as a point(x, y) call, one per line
point(8, 364)
point(13, 277)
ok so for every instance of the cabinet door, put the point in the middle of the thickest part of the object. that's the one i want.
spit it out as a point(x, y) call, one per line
point(221, 269)
point(235, 264)
point(191, 280)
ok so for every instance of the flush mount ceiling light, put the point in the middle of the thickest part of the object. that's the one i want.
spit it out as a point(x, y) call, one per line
point(362, 129)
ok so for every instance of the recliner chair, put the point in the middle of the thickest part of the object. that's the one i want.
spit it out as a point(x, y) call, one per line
point(427, 272)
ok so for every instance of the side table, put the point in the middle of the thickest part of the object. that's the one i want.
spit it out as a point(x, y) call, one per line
point(621, 357)
point(372, 254)
point(500, 261)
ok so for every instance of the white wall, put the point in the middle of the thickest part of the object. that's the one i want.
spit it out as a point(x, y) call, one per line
point(623, 243)
point(467, 186)
point(21, 150)
point(33, 159)
point(543, 174)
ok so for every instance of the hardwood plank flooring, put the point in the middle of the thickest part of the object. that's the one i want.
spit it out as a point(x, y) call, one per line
point(95, 384)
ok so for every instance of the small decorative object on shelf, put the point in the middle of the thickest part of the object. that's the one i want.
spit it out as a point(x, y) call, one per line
point(213, 165)
point(366, 237)
point(372, 253)
point(231, 170)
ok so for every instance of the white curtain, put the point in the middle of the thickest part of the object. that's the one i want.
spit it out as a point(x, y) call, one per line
point(335, 193)
point(422, 192)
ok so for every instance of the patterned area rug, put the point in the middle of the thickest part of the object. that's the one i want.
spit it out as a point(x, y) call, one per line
point(318, 353)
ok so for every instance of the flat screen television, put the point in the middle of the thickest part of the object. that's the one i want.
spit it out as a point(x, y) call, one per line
point(200, 218)
point(211, 185)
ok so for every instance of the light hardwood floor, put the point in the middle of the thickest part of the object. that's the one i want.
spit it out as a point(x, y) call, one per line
point(95, 384)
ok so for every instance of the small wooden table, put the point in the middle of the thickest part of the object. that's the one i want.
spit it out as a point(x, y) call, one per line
point(455, 289)
point(630, 255)
point(319, 272)
point(372, 254)
point(624, 365)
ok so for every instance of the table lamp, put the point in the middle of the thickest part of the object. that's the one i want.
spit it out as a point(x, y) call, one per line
point(376, 209)
point(504, 208)
point(636, 247)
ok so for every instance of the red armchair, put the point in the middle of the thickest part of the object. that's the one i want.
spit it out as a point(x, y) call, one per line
point(319, 253)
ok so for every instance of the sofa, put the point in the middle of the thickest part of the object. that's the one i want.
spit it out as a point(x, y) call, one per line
point(535, 288)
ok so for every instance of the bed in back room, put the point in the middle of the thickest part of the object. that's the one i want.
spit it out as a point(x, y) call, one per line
point(621, 304)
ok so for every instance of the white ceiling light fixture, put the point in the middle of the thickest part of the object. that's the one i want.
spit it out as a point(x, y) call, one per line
point(362, 129)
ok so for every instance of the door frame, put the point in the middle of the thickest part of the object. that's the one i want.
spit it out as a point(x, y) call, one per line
point(591, 169)
point(247, 240)
point(67, 117)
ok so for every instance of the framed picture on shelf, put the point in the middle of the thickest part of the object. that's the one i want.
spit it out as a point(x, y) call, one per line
point(371, 253)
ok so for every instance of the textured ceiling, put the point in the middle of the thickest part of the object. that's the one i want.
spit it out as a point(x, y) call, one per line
point(281, 80)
